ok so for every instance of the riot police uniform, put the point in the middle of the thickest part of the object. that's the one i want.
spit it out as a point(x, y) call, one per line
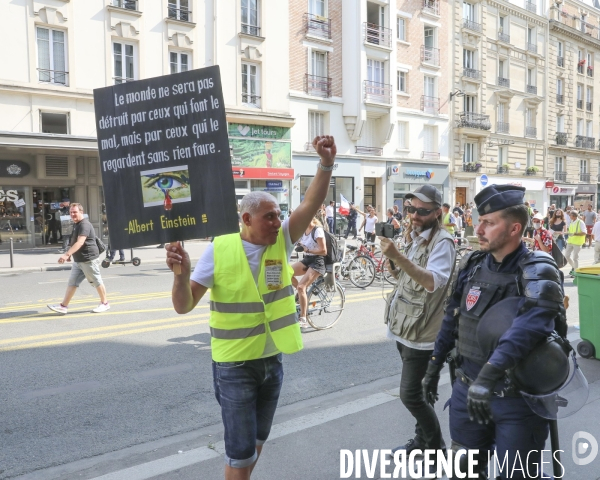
point(485, 407)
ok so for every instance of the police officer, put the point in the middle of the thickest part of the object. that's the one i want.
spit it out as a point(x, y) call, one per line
point(484, 408)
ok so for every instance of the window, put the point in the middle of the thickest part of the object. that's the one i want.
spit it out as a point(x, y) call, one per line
point(402, 82)
point(250, 90)
point(579, 93)
point(531, 36)
point(559, 86)
point(502, 110)
point(501, 68)
point(589, 60)
point(179, 62)
point(469, 11)
point(589, 95)
point(402, 135)
point(54, 123)
point(502, 156)
point(560, 49)
point(560, 123)
point(317, 7)
point(589, 128)
point(430, 139)
point(128, 4)
point(468, 59)
point(469, 153)
point(52, 66)
point(316, 125)
point(530, 77)
point(250, 17)
point(375, 71)
point(469, 103)
point(429, 86)
point(402, 29)
point(429, 37)
point(502, 24)
point(530, 158)
point(558, 164)
point(530, 117)
point(123, 63)
point(583, 166)
point(318, 63)
point(179, 10)
point(580, 126)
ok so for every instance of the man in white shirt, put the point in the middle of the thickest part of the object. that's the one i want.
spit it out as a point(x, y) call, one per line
point(596, 237)
point(329, 212)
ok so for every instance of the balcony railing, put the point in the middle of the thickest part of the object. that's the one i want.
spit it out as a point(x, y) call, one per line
point(376, 35)
point(590, 71)
point(370, 150)
point(377, 92)
point(560, 61)
point(585, 142)
point(531, 47)
point(474, 120)
point(253, 30)
point(589, 106)
point(531, 7)
point(531, 132)
point(430, 55)
point(532, 89)
point(183, 14)
point(472, 73)
point(53, 76)
point(560, 176)
point(561, 138)
point(431, 6)
point(504, 37)
point(502, 127)
point(251, 100)
point(560, 98)
point(430, 104)
point(119, 80)
point(430, 155)
point(317, 25)
point(502, 169)
point(471, 167)
point(580, 104)
point(317, 86)
point(503, 82)
point(585, 177)
point(580, 68)
point(127, 4)
point(471, 25)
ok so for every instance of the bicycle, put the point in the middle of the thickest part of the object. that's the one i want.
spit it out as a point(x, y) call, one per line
point(325, 303)
point(366, 265)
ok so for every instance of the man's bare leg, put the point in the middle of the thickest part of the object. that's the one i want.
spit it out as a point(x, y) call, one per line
point(232, 473)
point(102, 292)
point(69, 295)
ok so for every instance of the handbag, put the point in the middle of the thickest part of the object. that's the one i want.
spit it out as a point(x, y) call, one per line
point(557, 255)
point(100, 244)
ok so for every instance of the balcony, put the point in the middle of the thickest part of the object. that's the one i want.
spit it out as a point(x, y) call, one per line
point(430, 55)
point(585, 142)
point(560, 98)
point(126, 4)
point(532, 89)
point(531, 7)
point(590, 71)
point(471, 25)
point(503, 82)
point(317, 26)
point(560, 61)
point(253, 30)
point(531, 132)
point(472, 73)
point(501, 169)
point(580, 104)
point(474, 120)
point(430, 155)
point(250, 100)
point(531, 171)
point(430, 104)
point(580, 68)
point(504, 37)
point(369, 150)
point(53, 76)
point(317, 86)
point(585, 177)
point(376, 35)
point(183, 14)
point(561, 138)
point(471, 167)
point(531, 47)
point(119, 80)
point(560, 176)
point(589, 106)
point(377, 92)
point(432, 7)
point(502, 127)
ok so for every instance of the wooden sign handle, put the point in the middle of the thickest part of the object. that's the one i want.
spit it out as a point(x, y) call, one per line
point(176, 266)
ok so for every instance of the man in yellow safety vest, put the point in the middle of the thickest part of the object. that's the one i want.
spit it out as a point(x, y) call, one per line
point(253, 316)
point(448, 219)
point(577, 233)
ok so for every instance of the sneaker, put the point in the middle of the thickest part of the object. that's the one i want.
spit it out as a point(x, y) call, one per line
point(412, 444)
point(103, 307)
point(60, 308)
point(303, 323)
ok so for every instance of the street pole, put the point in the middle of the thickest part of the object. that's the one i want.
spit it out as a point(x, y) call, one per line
point(12, 251)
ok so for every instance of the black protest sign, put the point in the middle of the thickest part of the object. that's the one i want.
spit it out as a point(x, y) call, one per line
point(165, 160)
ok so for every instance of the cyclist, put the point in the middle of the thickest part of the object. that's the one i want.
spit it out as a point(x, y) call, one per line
point(311, 266)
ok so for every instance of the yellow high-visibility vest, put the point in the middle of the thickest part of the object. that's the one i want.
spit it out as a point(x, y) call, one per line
point(241, 312)
point(575, 227)
point(450, 230)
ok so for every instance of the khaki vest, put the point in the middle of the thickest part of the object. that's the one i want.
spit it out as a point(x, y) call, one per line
point(416, 315)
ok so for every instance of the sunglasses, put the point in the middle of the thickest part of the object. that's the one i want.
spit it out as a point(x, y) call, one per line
point(421, 212)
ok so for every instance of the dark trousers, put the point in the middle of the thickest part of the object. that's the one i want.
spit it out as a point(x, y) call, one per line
point(351, 228)
point(414, 366)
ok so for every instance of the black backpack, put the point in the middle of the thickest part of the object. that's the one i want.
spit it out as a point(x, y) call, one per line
point(333, 253)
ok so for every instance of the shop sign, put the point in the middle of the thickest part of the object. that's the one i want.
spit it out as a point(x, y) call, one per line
point(13, 168)
point(484, 180)
point(563, 190)
point(260, 153)
point(274, 184)
point(8, 196)
point(259, 131)
point(263, 173)
point(273, 190)
point(19, 203)
point(429, 174)
point(549, 184)
point(586, 188)
point(395, 170)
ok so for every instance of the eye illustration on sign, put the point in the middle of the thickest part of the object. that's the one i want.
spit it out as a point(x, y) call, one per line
point(166, 186)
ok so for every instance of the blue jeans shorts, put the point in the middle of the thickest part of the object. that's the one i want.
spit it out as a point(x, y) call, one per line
point(248, 393)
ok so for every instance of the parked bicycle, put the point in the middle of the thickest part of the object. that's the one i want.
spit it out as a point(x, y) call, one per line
point(326, 299)
point(366, 265)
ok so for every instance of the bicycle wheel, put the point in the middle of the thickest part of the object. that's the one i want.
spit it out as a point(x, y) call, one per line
point(325, 305)
point(361, 271)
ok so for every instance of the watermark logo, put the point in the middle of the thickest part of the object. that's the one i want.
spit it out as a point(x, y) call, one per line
point(585, 448)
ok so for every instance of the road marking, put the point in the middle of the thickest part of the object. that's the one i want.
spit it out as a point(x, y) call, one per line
point(66, 280)
point(74, 387)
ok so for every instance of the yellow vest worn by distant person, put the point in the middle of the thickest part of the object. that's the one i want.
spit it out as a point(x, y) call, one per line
point(450, 230)
point(241, 312)
point(573, 239)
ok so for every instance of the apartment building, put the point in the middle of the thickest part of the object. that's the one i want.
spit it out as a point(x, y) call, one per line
point(61, 50)
point(498, 108)
point(573, 99)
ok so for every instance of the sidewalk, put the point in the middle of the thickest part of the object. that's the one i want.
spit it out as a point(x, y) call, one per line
point(46, 259)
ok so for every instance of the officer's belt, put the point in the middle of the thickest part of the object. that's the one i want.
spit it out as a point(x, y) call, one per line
point(463, 377)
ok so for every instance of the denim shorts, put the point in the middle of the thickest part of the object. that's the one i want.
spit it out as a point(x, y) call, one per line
point(89, 270)
point(248, 393)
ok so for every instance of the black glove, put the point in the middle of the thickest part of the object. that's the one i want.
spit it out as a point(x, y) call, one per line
point(430, 382)
point(478, 398)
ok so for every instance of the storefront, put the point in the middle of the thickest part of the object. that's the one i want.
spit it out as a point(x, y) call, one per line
point(535, 190)
point(405, 178)
point(562, 195)
point(585, 195)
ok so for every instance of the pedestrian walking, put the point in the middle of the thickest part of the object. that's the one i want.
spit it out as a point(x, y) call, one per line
point(468, 223)
point(352, 217)
point(596, 237)
point(577, 234)
point(64, 207)
point(542, 238)
point(485, 409)
point(589, 218)
point(329, 212)
point(416, 307)
point(253, 316)
point(392, 220)
point(448, 219)
point(86, 261)
point(370, 219)
point(558, 226)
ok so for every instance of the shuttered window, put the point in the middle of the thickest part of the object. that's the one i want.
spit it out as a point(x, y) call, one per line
point(57, 167)
point(316, 125)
